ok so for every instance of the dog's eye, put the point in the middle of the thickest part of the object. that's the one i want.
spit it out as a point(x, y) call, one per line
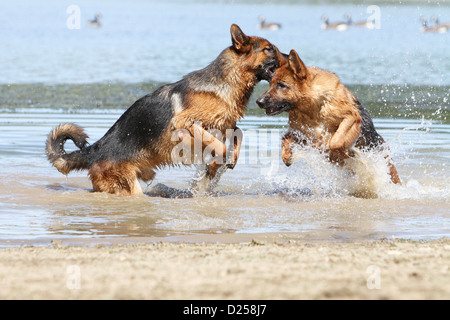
point(281, 85)
point(269, 49)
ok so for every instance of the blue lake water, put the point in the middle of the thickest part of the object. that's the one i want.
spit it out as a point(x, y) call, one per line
point(161, 41)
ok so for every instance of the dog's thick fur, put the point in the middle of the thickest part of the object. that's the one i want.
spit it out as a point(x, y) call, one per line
point(142, 138)
point(322, 110)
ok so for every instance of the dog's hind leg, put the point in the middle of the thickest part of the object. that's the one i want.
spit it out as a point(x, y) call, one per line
point(115, 178)
point(146, 174)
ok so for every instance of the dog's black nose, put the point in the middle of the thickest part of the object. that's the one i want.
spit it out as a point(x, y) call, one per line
point(261, 101)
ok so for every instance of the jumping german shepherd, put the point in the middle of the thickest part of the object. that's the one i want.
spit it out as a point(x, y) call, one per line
point(325, 113)
point(143, 137)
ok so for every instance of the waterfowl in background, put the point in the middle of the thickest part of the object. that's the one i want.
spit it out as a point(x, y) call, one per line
point(439, 28)
point(369, 24)
point(268, 25)
point(340, 26)
point(95, 23)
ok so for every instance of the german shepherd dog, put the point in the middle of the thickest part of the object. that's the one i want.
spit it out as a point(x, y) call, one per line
point(322, 113)
point(143, 137)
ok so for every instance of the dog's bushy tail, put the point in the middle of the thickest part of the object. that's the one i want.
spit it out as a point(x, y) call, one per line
point(61, 160)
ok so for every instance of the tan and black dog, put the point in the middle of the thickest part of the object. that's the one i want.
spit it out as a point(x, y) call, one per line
point(322, 110)
point(142, 139)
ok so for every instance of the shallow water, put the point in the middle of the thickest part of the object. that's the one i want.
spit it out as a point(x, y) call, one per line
point(260, 195)
point(51, 74)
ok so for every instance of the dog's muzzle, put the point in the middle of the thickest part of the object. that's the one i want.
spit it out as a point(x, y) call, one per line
point(273, 108)
point(267, 70)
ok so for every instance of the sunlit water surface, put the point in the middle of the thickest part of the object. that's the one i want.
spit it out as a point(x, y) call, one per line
point(260, 195)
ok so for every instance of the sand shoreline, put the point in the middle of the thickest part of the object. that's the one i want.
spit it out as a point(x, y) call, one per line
point(226, 238)
point(262, 267)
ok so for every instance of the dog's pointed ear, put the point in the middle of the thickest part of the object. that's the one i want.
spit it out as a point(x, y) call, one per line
point(297, 65)
point(239, 39)
point(283, 59)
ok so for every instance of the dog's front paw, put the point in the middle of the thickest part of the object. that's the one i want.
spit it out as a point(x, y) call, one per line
point(335, 145)
point(286, 152)
point(287, 161)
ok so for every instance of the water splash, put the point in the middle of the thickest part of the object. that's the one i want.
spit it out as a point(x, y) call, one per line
point(201, 184)
point(365, 176)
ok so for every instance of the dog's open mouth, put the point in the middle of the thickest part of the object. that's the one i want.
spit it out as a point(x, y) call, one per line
point(267, 70)
point(272, 111)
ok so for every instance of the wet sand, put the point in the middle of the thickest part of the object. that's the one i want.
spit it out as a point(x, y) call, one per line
point(227, 267)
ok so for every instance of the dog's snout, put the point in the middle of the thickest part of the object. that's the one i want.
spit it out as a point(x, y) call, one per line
point(261, 101)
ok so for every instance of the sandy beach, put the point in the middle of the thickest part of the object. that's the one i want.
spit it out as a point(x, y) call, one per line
point(235, 268)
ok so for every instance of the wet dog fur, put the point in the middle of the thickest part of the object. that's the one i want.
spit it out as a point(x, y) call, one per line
point(325, 113)
point(142, 139)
